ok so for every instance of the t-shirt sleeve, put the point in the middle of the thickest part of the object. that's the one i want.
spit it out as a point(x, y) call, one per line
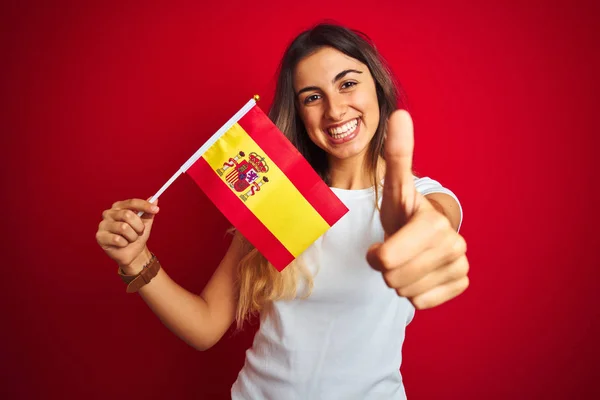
point(427, 186)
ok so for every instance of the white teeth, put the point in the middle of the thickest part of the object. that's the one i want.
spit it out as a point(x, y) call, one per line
point(341, 132)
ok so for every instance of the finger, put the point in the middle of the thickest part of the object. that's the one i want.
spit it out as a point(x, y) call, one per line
point(440, 294)
point(449, 250)
point(374, 257)
point(107, 239)
point(137, 205)
point(399, 148)
point(126, 215)
point(454, 271)
point(399, 193)
point(145, 215)
point(130, 218)
point(419, 235)
point(122, 229)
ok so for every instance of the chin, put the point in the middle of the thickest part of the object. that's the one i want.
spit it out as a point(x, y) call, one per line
point(347, 151)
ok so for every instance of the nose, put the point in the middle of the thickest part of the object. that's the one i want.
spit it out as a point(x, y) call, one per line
point(336, 108)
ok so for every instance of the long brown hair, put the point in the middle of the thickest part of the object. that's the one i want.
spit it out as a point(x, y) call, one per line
point(258, 282)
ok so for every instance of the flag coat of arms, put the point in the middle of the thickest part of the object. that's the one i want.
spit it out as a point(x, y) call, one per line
point(264, 187)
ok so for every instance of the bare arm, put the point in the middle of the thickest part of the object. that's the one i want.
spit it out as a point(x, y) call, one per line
point(447, 206)
point(199, 320)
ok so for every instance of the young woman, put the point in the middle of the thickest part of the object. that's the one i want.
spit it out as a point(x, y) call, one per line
point(333, 322)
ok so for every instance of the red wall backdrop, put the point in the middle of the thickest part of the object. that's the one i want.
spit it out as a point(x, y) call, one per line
point(104, 100)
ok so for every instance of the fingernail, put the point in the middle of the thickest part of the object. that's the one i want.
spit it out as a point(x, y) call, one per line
point(154, 209)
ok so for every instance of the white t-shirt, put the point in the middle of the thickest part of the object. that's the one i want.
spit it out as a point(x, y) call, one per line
point(345, 340)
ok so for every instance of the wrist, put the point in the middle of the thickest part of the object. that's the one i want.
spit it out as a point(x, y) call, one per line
point(136, 266)
point(136, 281)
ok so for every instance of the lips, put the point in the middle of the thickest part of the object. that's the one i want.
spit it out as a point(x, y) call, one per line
point(345, 132)
point(339, 131)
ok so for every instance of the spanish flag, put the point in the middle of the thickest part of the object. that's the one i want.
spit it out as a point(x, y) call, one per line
point(264, 187)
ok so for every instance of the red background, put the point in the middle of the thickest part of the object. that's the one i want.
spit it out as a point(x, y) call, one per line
point(103, 101)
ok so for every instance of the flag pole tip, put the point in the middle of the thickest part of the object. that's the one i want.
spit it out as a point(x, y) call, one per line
point(256, 97)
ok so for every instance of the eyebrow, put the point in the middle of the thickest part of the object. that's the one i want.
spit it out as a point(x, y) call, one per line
point(337, 78)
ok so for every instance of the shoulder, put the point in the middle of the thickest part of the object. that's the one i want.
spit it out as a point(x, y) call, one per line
point(426, 185)
point(434, 190)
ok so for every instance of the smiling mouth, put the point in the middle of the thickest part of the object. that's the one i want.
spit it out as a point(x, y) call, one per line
point(343, 131)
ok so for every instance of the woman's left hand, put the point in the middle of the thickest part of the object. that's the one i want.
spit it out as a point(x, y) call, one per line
point(422, 255)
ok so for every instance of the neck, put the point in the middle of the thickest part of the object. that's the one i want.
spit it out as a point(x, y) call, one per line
point(353, 173)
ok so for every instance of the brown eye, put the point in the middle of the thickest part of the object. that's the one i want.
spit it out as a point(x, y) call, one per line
point(311, 98)
point(347, 85)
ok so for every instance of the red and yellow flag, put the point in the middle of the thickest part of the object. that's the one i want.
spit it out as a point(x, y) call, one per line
point(264, 187)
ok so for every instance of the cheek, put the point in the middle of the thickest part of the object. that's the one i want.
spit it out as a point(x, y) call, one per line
point(311, 121)
point(310, 124)
point(373, 107)
point(375, 116)
point(366, 100)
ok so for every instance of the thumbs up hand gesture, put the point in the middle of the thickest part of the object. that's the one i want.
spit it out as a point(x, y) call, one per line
point(422, 256)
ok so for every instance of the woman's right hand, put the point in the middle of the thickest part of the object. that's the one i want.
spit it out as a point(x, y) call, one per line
point(123, 235)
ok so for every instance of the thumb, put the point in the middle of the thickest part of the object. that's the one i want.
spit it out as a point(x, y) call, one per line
point(149, 217)
point(399, 194)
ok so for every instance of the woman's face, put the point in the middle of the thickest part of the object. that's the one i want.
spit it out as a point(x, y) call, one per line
point(337, 102)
